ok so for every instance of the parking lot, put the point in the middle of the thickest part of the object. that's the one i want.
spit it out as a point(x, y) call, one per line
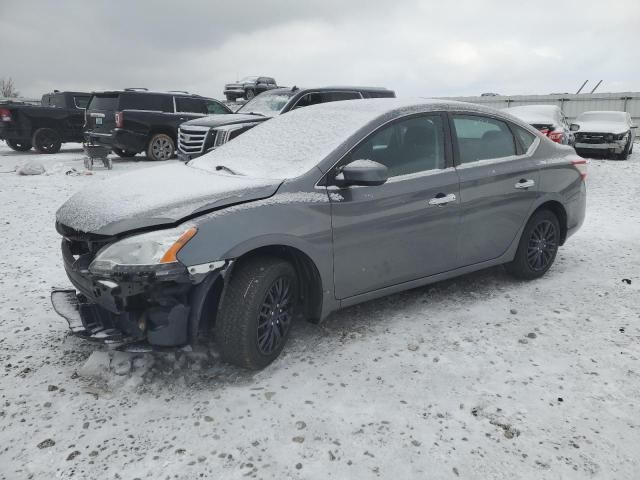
point(477, 377)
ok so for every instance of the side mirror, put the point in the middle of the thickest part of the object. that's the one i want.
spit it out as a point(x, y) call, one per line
point(574, 127)
point(362, 172)
point(634, 126)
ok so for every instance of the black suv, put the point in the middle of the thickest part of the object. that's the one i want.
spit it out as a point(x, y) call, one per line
point(197, 137)
point(248, 87)
point(136, 120)
point(57, 119)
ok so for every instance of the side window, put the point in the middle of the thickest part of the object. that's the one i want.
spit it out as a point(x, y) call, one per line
point(146, 101)
point(80, 102)
point(482, 138)
point(526, 138)
point(58, 101)
point(325, 97)
point(190, 105)
point(407, 146)
point(215, 108)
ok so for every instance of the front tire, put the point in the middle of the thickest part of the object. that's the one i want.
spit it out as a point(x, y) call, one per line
point(46, 140)
point(256, 313)
point(124, 153)
point(161, 147)
point(19, 146)
point(249, 94)
point(538, 246)
point(231, 98)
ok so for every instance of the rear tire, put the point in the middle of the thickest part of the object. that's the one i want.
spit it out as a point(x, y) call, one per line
point(255, 315)
point(124, 153)
point(19, 146)
point(538, 246)
point(161, 147)
point(46, 140)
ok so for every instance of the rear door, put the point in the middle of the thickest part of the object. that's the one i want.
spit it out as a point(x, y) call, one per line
point(393, 233)
point(100, 113)
point(498, 184)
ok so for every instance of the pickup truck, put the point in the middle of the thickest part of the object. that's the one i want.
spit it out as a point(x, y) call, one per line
point(136, 120)
point(248, 87)
point(199, 136)
point(58, 119)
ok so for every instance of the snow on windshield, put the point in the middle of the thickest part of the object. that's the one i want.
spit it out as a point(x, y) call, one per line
point(602, 117)
point(288, 145)
point(268, 104)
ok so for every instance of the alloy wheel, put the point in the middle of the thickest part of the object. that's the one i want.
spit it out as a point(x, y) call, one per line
point(275, 316)
point(162, 149)
point(542, 247)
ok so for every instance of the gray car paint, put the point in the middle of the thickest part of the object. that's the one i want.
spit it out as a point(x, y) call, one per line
point(339, 229)
point(371, 249)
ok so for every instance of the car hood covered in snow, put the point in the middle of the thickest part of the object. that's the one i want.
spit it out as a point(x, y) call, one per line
point(601, 126)
point(157, 196)
point(225, 119)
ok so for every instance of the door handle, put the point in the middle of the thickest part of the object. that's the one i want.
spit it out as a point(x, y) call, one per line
point(525, 183)
point(441, 199)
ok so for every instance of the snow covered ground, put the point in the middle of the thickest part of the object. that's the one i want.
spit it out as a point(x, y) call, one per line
point(482, 377)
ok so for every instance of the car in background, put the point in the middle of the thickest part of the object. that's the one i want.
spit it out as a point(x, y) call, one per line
point(196, 137)
point(610, 133)
point(550, 120)
point(248, 87)
point(57, 119)
point(323, 208)
point(136, 120)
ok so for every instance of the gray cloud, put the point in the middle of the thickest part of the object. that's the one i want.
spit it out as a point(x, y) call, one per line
point(420, 48)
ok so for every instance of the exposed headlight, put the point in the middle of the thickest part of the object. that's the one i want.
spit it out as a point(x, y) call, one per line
point(621, 136)
point(149, 252)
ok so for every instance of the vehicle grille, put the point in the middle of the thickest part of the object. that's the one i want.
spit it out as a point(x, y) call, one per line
point(191, 139)
point(591, 138)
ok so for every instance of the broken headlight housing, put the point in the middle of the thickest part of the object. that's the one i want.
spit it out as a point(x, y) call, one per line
point(153, 252)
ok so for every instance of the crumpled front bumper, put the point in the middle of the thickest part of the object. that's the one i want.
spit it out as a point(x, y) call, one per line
point(139, 310)
point(615, 146)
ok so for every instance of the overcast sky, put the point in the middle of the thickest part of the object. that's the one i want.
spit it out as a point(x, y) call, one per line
point(419, 48)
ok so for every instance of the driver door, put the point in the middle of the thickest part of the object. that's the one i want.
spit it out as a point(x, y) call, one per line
point(402, 230)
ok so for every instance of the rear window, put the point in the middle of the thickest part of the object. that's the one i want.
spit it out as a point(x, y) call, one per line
point(190, 105)
point(146, 101)
point(103, 102)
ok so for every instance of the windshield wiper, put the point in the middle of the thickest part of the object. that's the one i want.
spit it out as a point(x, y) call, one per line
point(227, 169)
point(253, 113)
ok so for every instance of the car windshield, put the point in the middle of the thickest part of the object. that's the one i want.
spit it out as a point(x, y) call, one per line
point(248, 79)
point(602, 117)
point(267, 103)
point(286, 146)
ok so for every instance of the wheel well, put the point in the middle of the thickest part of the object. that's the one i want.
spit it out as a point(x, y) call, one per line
point(308, 275)
point(558, 210)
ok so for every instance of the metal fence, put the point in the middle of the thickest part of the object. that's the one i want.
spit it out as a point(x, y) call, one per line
point(572, 105)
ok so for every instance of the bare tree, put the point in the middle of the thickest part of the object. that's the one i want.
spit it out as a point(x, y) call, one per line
point(8, 89)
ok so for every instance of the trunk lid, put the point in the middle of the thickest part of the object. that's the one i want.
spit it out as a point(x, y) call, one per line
point(157, 196)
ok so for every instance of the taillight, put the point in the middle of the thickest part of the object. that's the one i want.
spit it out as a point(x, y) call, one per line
point(5, 115)
point(556, 136)
point(119, 119)
point(581, 166)
point(544, 131)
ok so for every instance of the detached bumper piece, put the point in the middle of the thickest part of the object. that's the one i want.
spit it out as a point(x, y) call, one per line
point(157, 327)
point(89, 320)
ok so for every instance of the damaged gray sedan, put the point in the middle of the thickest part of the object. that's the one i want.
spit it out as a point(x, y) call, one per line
point(322, 208)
